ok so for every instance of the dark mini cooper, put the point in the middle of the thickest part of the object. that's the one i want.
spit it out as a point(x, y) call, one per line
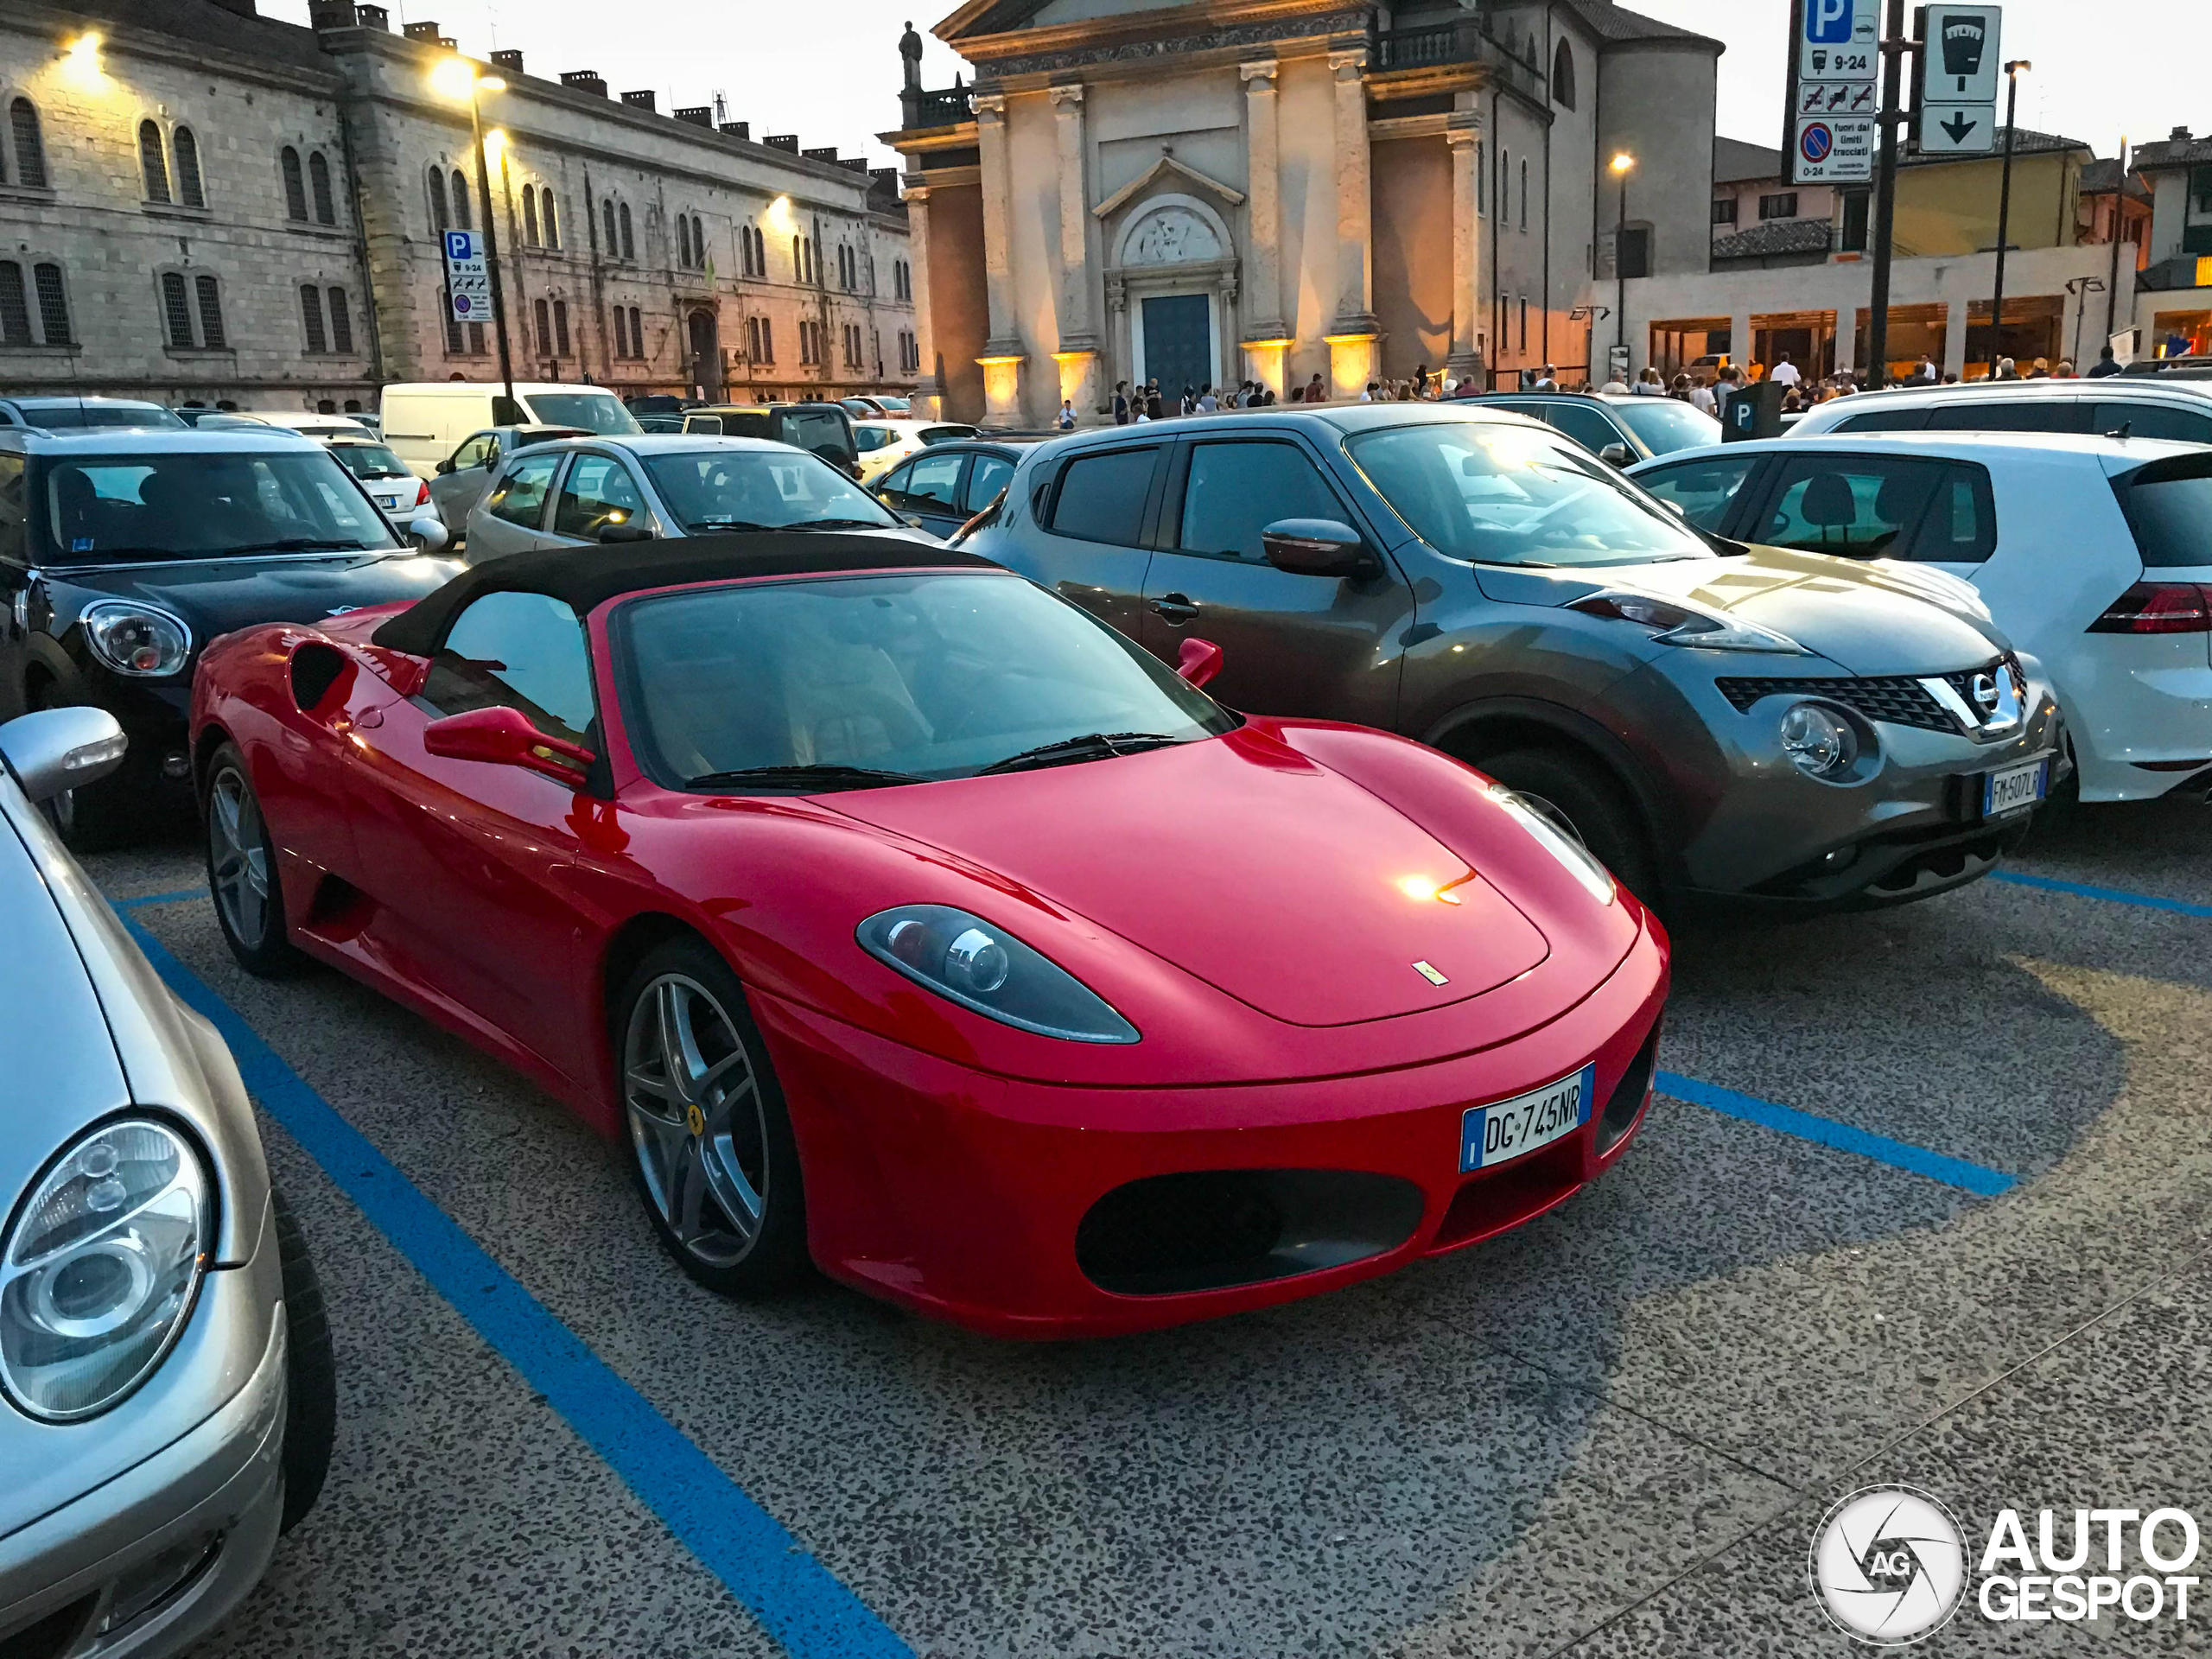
point(122, 553)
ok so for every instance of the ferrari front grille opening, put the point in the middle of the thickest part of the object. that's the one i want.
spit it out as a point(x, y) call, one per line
point(1629, 1094)
point(1210, 1229)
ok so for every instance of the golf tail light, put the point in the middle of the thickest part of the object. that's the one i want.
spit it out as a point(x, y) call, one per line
point(139, 640)
point(979, 965)
point(98, 1271)
point(1818, 740)
point(2159, 608)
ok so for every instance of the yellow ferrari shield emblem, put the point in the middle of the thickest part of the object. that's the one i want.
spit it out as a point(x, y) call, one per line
point(694, 1120)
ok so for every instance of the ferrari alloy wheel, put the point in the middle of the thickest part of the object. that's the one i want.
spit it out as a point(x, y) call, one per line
point(242, 871)
point(715, 1162)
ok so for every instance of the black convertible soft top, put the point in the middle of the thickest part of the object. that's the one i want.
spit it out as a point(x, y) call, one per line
point(586, 577)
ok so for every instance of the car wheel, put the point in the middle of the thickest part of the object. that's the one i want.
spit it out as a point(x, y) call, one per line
point(242, 871)
point(1582, 801)
point(311, 1371)
point(711, 1143)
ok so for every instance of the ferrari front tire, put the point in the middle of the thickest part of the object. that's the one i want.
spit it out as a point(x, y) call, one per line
point(710, 1142)
point(241, 870)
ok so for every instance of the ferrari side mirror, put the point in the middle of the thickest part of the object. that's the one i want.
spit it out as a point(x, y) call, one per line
point(505, 737)
point(1199, 661)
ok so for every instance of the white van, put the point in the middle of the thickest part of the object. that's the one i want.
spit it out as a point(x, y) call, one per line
point(426, 421)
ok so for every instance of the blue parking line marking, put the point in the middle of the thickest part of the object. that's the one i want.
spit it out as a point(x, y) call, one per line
point(2111, 895)
point(797, 1599)
point(1826, 1131)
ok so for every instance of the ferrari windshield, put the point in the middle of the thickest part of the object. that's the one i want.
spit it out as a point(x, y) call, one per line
point(1509, 494)
point(855, 681)
point(760, 489)
point(204, 503)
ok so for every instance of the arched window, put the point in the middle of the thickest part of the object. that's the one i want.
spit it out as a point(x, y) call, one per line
point(684, 241)
point(629, 243)
point(461, 220)
point(341, 323)
point(561, 327)
point(544, 311)
point(210, 313)
point(176, 311)
point(799, 259)
point(151, 164)
point(30, 148)
point(15, 306)
point(311, 318)
point(637, 333)
point(621, 326)
point(552, 224)
point(189, 189)
point(295, 189)
point(607, 223)
point(441, 221)
point(326, 209)
point(53, 305)
point(530, 215)
point(1563, 77)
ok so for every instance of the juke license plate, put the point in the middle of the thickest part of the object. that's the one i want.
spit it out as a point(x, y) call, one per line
point(2014, 789)
point(1506, 1129)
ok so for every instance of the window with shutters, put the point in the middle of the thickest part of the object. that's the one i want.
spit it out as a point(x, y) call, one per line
point(53, 305)
point(15, 306)
point(191, 192)
point(544, 311)
point(326, 205)
point(30, 145)
point(561, 327)
point(296, 188)
point(636, 333)
point(311, 319)
point(684, 241)
point(211, 332)
point(341, 323)
point(462, 222)
point(440, 220)
point(152, 165)
point(621, 332)
point(606, 219)
point(530, 215)
point(176, 312)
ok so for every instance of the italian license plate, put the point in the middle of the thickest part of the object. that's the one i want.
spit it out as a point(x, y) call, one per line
point(2014, 788)
point(1506, 1129)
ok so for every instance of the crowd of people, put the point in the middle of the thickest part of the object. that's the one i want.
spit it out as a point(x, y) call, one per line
point(1135, 403)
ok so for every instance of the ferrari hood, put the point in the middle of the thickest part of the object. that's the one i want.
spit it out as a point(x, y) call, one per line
point(1244, 863)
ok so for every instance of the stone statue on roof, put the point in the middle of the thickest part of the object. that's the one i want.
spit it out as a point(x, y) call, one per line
point(910, 49)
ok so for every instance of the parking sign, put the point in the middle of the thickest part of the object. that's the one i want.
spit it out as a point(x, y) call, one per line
point(469, 279)
point(1837, 41)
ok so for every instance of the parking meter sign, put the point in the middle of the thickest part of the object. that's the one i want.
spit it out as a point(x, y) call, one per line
point(468, 280)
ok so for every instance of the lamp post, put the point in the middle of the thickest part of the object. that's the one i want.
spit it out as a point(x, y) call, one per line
point(2005, 211)
point(457, 77)
point(2080, 287)
point(1623, 164)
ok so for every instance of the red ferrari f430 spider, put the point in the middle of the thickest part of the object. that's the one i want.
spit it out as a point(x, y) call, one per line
point(894, 914)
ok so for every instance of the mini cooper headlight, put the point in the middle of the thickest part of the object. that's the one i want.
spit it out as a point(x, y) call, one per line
point(1818, 740)
point(141, 641)
point(1562, 844)
point(981, 966)
point(98, 1271)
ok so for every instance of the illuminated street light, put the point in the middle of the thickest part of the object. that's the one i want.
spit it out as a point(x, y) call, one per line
point(82, 61)
point(1623, 164)
point(454, 78)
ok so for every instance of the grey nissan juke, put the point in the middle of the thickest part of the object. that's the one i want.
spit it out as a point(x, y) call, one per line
point(1710, 718)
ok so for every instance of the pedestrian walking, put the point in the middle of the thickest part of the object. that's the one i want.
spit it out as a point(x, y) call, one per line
point(1785, 373)
point(2107, 365)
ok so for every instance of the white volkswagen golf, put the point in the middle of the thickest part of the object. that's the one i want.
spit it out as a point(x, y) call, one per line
point(2093, 553)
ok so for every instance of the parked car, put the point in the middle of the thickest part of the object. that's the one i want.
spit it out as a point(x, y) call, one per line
point(168, 1393)
point(395, 490)
point(926, 1019)
point(425, 421)
point(943, 488)
point(134, 549)
point(320, 427)
point(1709, 718)
point(825, 429)
point(870, 406)
point(575, 491)
point(53, 414)
point(1619, 430)
point(882, 444)
point(197, 414)
point(2178, 408)
point(463, 476)
point(2095, 554)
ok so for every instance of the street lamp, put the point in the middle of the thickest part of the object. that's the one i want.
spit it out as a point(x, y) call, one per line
point(2005, 211)
point(456, 77)
point(1623, 164)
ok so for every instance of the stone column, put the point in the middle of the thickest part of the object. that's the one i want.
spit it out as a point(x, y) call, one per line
point(1463, 135)
point(1846, 337)
point(1353, 331)
point(1077, 356)
point(1741, 343)
point(1002, 355)
point(929, 390)
point(1955, 340)
point(1266, 335)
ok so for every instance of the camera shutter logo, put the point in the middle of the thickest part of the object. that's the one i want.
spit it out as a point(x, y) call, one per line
point(1888, 1565)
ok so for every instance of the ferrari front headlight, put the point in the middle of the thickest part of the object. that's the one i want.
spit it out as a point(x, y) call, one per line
point(100, 1269)
point(982, 967)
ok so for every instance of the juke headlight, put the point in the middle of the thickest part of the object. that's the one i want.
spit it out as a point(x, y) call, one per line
point(1674, 623)
point(1818, 740)
point(100, 1266)
point(142, 641)
point(981, 966)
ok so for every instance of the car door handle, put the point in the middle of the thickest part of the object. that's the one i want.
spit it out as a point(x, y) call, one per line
point(1175, 607)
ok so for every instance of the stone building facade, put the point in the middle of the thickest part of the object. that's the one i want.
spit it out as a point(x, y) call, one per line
point(1222, 190)
point(201, 205)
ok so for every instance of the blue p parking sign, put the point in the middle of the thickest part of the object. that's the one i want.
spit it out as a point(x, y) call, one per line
point(468, 280)
point(1827, 22)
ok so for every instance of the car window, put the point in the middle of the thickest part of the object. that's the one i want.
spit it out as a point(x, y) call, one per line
point(892, 484)
point(712, 424)
point(985, 479)
point(520, 496)
point(1236, 490)
point(595, 411)
point(1665, 424)
point(1862, 506)
point(598, 492)
point(11, 508)
point(1884, 420)
point(1102, 497)
point(817, 429)
point(751, 489)
point(516, 651)
point(2169, 502)
point(1705, 489)
point(935, 478)
point(1587, 426)
point(2153, 421)
point(1960, 527)
point(2010, 415)
point(204, 503)
point(472, 453)
point(368, 460)
point(943, 434)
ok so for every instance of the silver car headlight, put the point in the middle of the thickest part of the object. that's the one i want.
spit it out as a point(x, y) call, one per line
point(100, 1269)
point(981, 966)
point(143, 641)
point(1561, 843)
point(1818, 740)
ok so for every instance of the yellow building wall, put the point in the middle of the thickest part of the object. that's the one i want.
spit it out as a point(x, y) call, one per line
point(1952, 208)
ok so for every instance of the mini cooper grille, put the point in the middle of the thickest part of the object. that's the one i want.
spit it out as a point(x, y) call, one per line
point(1901, 702)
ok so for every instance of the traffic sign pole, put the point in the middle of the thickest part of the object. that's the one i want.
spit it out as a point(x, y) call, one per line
point(2005, 220)
point(1894, 48)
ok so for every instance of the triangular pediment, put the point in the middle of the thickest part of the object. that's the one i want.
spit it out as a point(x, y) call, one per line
point(1168, 170)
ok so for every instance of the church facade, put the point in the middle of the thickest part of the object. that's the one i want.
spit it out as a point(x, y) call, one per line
point(1231, 190)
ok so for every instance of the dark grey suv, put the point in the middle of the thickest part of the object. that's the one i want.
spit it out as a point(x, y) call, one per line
point(1707, 717)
